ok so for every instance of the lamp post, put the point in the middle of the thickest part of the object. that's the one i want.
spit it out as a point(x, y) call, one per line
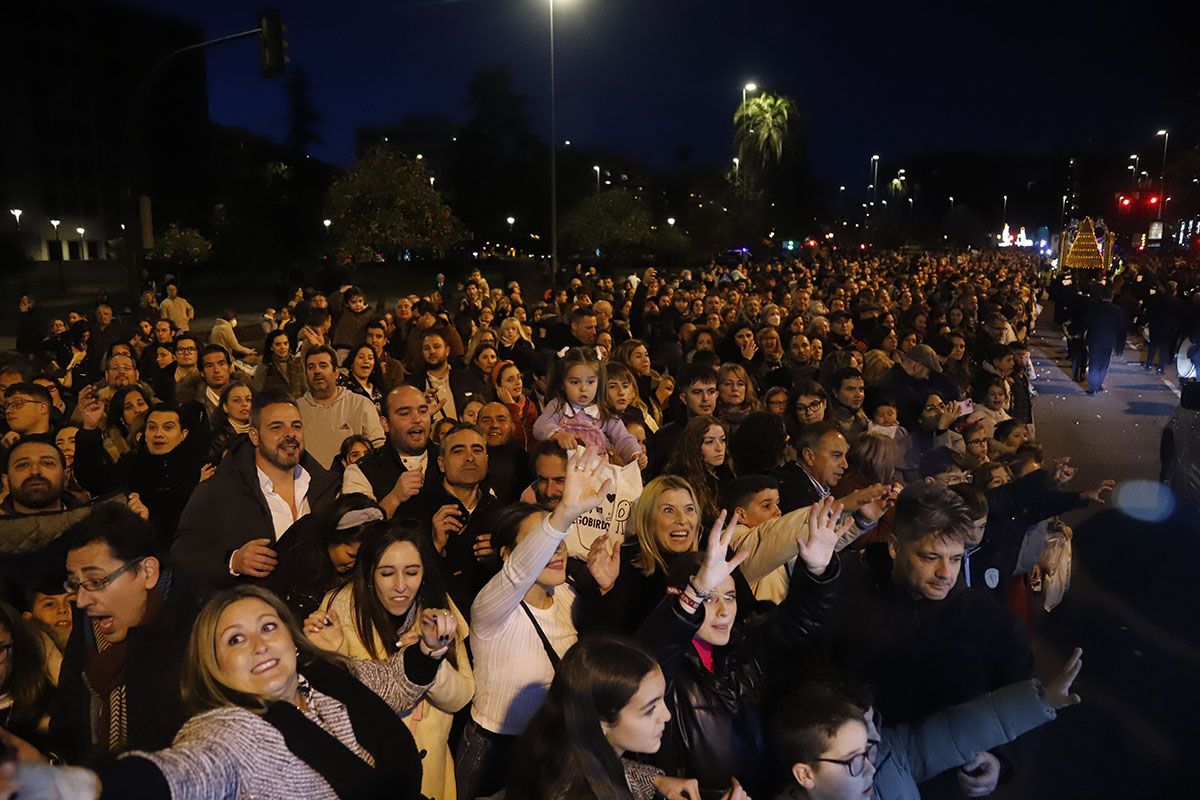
point(1134, 167)
point(1162, 175)
point(553, 160)
point(1062, 215)
point(1004, 214)
point(596, 168)
point(874, 177)
point(82, 244)
point(510, 221)
point(736, 167)
point(671, 221)
point(16, 212)
point(951, 204)
point(326, 223)
point(62, 286)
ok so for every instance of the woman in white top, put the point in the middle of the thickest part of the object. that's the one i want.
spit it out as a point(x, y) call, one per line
point(521, 624)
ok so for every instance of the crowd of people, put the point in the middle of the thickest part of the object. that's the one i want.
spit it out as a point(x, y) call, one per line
point(347, 563)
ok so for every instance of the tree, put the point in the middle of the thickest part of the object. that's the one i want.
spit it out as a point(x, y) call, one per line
point(613, 222)
point(385, 204)
point(181, 246)
point(761, 127)
point(303, 116)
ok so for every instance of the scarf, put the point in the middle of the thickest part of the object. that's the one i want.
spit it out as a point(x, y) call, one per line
point(397, 768)
point(104, 671)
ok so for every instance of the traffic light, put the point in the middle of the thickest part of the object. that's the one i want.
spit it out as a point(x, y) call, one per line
point(271, 44)
point(1153, 200)
point(1125, 201)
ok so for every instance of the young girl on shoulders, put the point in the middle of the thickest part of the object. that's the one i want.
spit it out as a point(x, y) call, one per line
point(578, 412)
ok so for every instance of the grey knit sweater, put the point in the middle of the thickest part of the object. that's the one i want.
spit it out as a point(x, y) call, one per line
point(232, 753)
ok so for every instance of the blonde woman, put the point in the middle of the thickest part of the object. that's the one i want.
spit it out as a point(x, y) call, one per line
point(395, 578)
point(737, 397)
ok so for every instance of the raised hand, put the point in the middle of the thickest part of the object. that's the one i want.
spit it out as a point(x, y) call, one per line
point(438, 626)
point(1064, 471)
point(206, 472)
point(604, 563)
point(586, 483)
point(91, 408)
point(715, 568)
point(870, 502)
point(323, 629)
point(816, 550)
point(135, 504)
point(1057, 693)
point(446, 520)
point(1100, 494)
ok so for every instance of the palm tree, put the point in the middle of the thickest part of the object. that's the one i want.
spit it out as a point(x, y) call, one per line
point(760, 128)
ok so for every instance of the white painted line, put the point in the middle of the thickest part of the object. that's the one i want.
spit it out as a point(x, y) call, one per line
point(1171, 386)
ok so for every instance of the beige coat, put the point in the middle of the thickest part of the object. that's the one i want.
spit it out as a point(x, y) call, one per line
point(430, 719)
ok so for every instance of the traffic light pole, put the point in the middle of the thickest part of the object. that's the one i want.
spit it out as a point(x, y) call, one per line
point(128, 208)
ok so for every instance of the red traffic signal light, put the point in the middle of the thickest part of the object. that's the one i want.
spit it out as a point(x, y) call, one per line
point(1153, 200)
point(1125, 201)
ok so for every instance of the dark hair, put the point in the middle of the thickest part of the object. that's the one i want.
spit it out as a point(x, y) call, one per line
point(1003, 428)
point(269, 397)
point(269, 343)
point(210, 349)
point(688, 463)
point(350, 293)
point(116, 406)
point(693, 373)
point(974, 498)
point(321, 350)
point(318, 317)
point(581, 313)
point(350, 441)
point(739, 491)
point(508, 524)
point(187, 335)
point(547, 448)
point(842, 375)
point(804, 722)
point(758, 444)
point(35, 438)
point(127, 535)
point(40, 393)
point(171, 408)
point(219, 414)
point(27, 684)
point(596, 679)
point(925, 509)
point(575, 357)
point(371, 620)
point(458, 427)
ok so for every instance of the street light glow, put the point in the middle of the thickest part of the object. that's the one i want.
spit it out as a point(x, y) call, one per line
point(80, 231)
point(670, 221)
point(874, 158)
point(1161, 133)
point(56, 223)
point(327, 223)
point(510, 220)
point(16, 212)
point(751, 87)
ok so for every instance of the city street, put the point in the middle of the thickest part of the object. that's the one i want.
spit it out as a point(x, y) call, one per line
point(1130, 606)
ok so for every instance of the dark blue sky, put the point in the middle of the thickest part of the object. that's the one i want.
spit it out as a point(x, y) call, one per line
point(648, 76)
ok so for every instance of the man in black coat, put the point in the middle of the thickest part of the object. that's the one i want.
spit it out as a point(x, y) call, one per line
point(119, 684)
point(394, 473)
point(453, 388)
point(923, 641)
point(462, 514)
point(508, 464)
point(1164, 312)
point(1105, 337)
point(230, 524)
point(162, 471)
point(697, 386)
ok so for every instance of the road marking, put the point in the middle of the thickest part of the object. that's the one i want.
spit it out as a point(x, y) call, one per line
point(1171, 386)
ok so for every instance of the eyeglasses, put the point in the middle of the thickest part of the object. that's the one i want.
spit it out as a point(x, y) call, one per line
point(856, 764)
point(974, 442)
point(810, 408)
point(100, 584)
point(185, 349)
point(17, 403)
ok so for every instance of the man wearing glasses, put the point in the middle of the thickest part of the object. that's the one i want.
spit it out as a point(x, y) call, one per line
point(26, 410)
point(119, 684)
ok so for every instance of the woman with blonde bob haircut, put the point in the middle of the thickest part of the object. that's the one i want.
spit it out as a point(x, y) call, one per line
point(277, 717)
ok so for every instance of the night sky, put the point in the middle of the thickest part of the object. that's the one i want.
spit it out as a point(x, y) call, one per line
point(649, 77)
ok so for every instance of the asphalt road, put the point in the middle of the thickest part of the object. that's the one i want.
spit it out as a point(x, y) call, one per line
point(1132, 605)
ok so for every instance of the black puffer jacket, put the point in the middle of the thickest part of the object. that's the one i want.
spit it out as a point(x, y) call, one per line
point(716, 730)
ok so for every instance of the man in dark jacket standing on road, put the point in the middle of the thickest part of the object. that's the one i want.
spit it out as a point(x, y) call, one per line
point(1105, 337)
point(229, 527)
point(924, 642)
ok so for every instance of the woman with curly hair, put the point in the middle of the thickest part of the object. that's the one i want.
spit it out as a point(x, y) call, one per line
point(701, 458)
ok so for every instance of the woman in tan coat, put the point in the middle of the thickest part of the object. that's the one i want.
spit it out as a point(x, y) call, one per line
point(379, 611)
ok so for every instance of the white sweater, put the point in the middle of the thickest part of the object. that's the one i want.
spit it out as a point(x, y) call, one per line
point(512, 671)
point(327, 426)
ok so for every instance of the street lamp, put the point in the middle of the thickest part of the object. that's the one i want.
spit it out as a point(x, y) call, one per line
point(553, 159)
point(1135, 166)
point(671, 221)
point(62, 286)
point(874, 177)
point(736, 166)
point(596, 167)
point(1162, 176)
point(16, 212)
point(82, 245)
point(951, 204)
point(326, 223)
point(510, 221)
point(1062, 215)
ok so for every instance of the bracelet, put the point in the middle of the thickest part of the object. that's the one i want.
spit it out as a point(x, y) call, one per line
point(701, 595)
point(691, 603)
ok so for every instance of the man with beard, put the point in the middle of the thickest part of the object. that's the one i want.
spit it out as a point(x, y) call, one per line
point(463, 514)
point(508, 463)
point(331, 412)
point(448, 388)
point(35, 479)
point(230, 525)
point(395, 473)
